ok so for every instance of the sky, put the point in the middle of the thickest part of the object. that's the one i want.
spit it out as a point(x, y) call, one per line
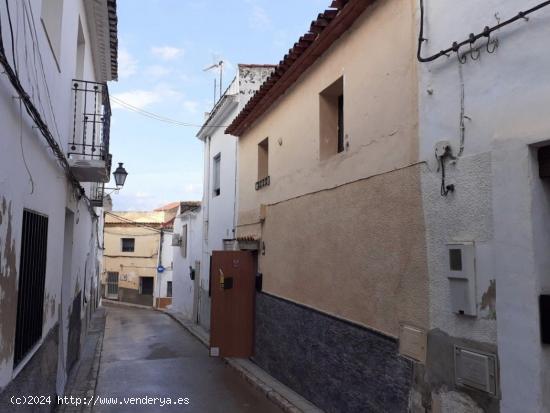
point(164, 45)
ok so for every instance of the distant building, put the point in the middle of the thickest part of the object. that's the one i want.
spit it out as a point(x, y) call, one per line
point(137, 265)
point(55, 59)
point(187, 253)
point(219, 203)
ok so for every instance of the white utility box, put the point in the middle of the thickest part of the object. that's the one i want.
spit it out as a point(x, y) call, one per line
point(461, 272)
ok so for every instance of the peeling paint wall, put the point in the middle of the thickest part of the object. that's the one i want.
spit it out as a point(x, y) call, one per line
point(8, 286)
point(30, 178)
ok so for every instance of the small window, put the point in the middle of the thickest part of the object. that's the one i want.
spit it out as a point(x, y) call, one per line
point(146, 285)
point(52, 19)
point(128, 244)
point(331, 120)
point(216, 175)
point(455, 259)
point(263, 159)
point(168, 288)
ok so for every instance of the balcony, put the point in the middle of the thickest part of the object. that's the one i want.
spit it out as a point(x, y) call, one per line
point(263, 183)
point(89, 157)
point(97, 194)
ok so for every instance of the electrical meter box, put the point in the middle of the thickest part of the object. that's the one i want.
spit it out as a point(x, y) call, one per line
point(461, 272)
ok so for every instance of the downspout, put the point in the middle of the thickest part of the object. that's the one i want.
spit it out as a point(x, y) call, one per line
point(159, 263)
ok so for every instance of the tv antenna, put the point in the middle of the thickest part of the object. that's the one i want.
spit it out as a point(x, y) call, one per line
point(219, 66)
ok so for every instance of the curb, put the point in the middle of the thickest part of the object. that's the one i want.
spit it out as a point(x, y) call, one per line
point(259, 385)
point(114, 303)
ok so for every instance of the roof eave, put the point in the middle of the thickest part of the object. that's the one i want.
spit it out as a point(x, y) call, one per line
point(324, 31)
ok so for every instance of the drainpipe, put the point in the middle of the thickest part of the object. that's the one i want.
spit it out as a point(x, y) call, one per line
point(159, 263)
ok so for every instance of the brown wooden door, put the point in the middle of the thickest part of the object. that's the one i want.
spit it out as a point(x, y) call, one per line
point(232, 314)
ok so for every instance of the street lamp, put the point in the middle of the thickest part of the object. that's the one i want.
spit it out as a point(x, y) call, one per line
point(120, 175)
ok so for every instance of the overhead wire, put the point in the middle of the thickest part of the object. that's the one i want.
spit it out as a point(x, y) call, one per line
point(50, 104)
point(158, 117)
point(12, 39)
point(128, 220)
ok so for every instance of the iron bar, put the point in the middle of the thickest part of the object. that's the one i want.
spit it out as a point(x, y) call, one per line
point(472, 37)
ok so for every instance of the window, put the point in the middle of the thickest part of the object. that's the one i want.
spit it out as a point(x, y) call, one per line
point(128, 244)
point(216, 175)
point(168, 288)
point(331, 120)
point(263, 164)
point(52, 19)
point(263, 159)
point(146, 285)
point(32, 278)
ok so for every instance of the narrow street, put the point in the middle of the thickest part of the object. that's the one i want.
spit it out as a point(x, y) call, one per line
point(147, 354)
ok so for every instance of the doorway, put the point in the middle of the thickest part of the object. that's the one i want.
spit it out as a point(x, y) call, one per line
point(232, 316)
point(112, 285)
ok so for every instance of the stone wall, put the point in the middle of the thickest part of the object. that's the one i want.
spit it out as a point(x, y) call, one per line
point(337, 365)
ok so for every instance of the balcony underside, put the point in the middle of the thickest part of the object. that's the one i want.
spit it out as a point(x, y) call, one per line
point(89, 170)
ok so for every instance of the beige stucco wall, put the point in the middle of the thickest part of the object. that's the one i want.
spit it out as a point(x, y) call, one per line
point(376, 59)
point(131, 265)
point(357, 251)
point(346, 235)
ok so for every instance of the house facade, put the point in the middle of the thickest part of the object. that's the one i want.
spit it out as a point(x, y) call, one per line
point(488, 102)
point(329, 197)
point(220, 176)
point(188, 298)
point(393, 185)
point(138, 257)
point(55, 56)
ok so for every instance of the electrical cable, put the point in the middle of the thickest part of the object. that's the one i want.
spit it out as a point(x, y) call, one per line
point(43, 73)
point(158, 117)
point(11, 37)
point(21, 144)
point(41, 125)
point(134, 222)
point(472, 37)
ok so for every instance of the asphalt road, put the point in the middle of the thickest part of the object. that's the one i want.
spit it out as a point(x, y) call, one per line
point(146, 354)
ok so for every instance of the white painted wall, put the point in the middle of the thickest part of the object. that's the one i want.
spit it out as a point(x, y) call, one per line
point(166, 259)
point(219, 211)
point(499, 203)
point(49, 193)
point(182, 286)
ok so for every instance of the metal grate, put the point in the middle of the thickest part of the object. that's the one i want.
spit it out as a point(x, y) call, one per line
point(32, 277)
point(112, 284)
point(263, 182)
point(91, 121)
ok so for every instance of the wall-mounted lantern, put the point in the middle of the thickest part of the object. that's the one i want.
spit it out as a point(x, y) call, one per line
point(120, 175)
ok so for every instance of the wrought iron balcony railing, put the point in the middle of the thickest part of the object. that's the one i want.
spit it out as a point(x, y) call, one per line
point(97, 194)
point(263, 183)
point(89, 147)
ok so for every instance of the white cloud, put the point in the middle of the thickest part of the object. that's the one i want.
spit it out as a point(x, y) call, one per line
point(191, 106)
point(167, 52)
point(158, 71)
point(143, 98)
point(258, 18)
point(127, 64)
